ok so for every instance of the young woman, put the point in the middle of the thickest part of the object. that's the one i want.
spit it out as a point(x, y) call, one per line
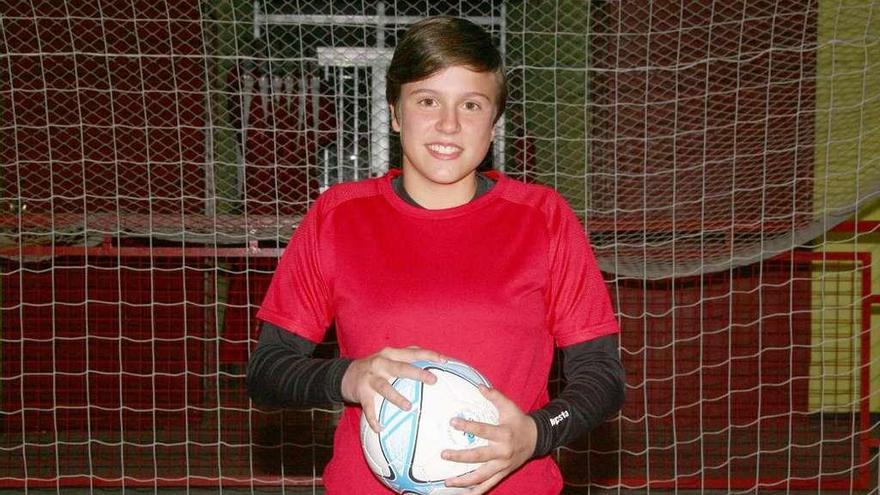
point(436, 260)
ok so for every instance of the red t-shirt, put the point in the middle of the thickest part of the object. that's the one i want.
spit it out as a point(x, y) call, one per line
point(496, 283)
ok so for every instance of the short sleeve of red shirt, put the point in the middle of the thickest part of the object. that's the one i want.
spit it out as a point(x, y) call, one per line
point(578, 298)
point(298, 299)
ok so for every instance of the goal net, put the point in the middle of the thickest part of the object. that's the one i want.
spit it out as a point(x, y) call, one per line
point(156, 156)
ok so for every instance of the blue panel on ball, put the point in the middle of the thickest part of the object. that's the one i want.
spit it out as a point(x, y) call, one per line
point(397, 438)
point(457, 368)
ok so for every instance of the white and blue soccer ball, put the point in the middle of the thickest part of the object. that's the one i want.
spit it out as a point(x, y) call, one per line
point(405, 455)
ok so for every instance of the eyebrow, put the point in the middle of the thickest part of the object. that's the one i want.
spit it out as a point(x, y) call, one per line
point(468, 94)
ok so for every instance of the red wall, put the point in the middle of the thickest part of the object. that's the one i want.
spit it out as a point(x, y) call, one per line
point(707, 106)
point(114, 342)
point(103, 105)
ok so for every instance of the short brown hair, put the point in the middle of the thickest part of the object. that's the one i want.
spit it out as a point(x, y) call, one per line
point(437, 43)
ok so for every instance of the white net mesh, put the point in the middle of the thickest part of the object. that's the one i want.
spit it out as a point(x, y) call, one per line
point(155, 156)
point(723, 133)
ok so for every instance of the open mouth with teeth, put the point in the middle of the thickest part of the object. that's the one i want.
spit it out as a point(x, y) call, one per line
point(442, 149)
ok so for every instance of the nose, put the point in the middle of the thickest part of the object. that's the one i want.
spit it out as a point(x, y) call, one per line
point(448, 122)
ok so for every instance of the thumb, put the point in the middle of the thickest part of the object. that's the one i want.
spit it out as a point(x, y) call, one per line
point(504, 405)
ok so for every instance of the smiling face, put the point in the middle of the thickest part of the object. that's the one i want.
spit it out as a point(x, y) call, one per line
point(446, 124)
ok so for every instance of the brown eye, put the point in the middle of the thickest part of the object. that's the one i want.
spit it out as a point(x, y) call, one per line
point(472, 106)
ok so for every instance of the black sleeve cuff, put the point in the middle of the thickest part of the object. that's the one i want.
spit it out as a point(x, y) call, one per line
point(335, 372)
point(544, 439)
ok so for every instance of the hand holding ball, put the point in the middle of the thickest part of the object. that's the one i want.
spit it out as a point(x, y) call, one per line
point(405, 454)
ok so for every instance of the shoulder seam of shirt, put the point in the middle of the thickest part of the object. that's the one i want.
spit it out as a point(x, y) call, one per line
point(523, 194)
point(343, 192)
point(548, 202)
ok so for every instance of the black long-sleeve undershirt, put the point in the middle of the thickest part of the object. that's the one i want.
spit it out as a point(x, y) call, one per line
point(594, 390)
point(282, 373)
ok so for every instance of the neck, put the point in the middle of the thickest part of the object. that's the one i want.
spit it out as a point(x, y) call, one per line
point(434, 196)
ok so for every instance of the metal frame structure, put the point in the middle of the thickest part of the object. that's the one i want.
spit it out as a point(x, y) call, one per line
point(376, 59)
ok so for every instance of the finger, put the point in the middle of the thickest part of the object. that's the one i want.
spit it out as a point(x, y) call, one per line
point(482, 430)
point(370, 415)
point(428, 377)
point(384, 388)
point(406, 370)
point(477, 454)
point(486, 485)
point(495, 396)
point(410, 354)
point(504, 405)
point(472, 478)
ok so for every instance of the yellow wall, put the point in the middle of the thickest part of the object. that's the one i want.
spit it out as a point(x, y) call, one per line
point(847, 153)
point(837, 321)
point(847, 158)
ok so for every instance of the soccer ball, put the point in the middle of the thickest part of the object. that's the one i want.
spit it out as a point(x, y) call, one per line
point(405, 455)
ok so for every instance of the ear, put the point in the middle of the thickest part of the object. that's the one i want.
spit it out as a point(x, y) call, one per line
point(394, 122)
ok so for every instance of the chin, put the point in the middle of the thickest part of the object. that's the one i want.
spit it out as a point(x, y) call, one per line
point(448, 180)
point(451, 175)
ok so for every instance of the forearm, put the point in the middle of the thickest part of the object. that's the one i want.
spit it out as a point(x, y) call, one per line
point(594, 390)
point(282, 373)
